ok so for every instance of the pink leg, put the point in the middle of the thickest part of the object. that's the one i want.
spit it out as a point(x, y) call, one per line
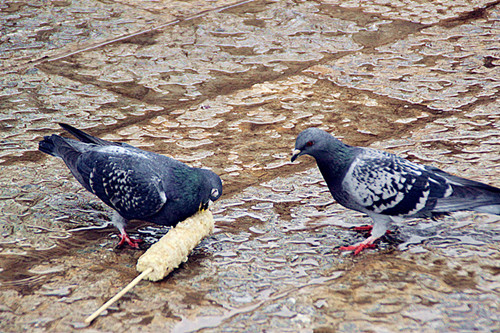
point(363, 228)
point(120, 223)
point(367, 228)
point(133, 242)
point(380, 226)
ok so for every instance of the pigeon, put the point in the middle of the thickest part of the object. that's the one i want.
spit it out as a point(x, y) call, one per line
point(136, 184)
point(389, 188)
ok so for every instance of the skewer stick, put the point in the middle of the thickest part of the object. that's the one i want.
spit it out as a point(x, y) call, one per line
point(167, 254)
point(122, 292)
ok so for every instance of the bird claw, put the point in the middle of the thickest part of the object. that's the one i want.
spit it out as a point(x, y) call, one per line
point(357, 248)
point(363, 228)
point(133, 242)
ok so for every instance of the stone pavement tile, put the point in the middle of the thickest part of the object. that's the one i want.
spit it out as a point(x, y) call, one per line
point(34, 30)
point(443, 67)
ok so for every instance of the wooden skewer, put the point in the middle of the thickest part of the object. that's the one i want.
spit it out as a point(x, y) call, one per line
point(106, 305)
point(167, 254)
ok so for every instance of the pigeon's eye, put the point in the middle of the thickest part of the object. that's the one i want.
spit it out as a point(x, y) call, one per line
point(309, 143)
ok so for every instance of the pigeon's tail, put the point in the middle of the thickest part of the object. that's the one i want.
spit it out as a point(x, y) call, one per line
point(48, 145)
point(84, 137)
point(58, 146)
point(471, 195)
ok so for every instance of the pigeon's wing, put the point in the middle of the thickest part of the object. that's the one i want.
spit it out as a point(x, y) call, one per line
point(383, 183)
point(124, 179)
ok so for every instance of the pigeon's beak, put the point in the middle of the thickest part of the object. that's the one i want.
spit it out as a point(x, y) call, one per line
point(296, 153)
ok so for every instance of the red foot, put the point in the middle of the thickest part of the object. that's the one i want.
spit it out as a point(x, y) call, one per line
point(133, 242)
point(357, 248)
point(367, 228)
point(363, 228)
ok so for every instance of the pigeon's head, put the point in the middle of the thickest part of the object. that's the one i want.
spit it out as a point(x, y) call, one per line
point(215, 184)
point(312, 141)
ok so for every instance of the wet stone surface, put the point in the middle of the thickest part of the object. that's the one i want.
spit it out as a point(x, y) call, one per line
point(229, 89)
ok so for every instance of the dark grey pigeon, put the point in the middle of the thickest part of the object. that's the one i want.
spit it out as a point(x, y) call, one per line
point(388, 188)
point(137, 184)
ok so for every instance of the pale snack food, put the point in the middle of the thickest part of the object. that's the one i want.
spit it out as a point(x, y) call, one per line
point(168, 253)
point(174, 248)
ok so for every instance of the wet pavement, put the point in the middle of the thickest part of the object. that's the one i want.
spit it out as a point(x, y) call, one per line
point(228, 86)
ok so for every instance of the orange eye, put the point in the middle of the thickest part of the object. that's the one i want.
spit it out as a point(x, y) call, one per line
point(309, 143)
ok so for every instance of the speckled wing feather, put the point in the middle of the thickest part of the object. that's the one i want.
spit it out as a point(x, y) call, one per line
point(383, 183)
point(124, 179)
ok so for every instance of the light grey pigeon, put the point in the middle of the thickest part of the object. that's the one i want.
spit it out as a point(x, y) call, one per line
point(387, 187)
point(137, 184)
